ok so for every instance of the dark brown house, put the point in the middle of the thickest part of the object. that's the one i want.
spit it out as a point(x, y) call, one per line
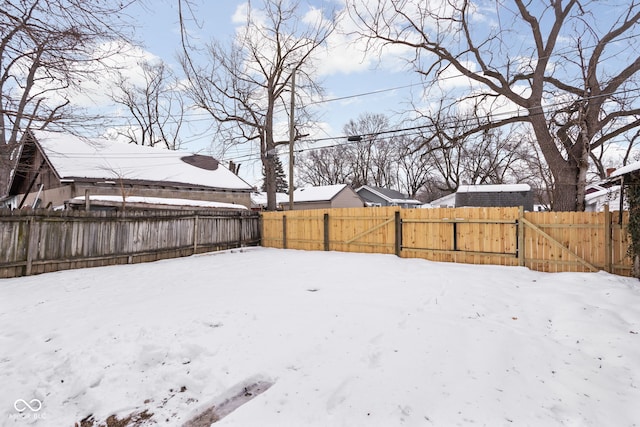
point(54, 168)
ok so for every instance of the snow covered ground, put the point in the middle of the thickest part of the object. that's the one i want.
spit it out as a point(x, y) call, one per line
point(344, 339)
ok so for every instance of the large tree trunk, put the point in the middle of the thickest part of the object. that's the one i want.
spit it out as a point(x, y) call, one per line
point(566, 172)
point(565, 191)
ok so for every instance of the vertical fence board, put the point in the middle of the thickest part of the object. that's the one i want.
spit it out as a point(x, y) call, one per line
point(559, 241)
point(38, 241)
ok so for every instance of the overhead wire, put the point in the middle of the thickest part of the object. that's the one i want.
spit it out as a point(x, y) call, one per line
point(368, 93)
point(408, 130)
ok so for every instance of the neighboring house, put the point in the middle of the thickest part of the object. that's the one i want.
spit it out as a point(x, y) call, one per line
point(326, 196)
point(259, 200)
point(55, 167)
point(488, 195)
point(448, 201)
point(118, 203)
point(376, 196)
point(629, 174)
point(598, 197)
point(9, 202)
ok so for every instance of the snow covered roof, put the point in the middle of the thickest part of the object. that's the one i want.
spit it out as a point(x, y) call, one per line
point(493, 188)
point(74, 158)
point(159, 201)
point(317, 194)
point(625, 170)
point(259, 198)
point(391, 196)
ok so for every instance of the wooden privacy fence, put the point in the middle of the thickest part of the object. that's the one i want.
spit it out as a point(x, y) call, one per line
point(40, 241)
point(543, 241)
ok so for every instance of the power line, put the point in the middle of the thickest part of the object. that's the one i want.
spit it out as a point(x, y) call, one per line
point(414, 129)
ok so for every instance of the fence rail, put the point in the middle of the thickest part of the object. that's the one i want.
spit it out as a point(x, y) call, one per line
point(40, 241)
point(543, 241)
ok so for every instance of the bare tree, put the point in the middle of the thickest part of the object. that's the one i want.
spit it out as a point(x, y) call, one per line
point(154, 106)
point(370, 155)
point(452, 156)
point(414, 169)
point(569, 72)
point(242, 84)
point(324, 166)
point(47, 49)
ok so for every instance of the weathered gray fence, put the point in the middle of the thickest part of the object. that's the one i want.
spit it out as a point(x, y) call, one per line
point(40, 241)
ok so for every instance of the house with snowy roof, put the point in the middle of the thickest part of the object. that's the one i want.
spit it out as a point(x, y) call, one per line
point(377, 196)
point(598, 196)
point(259, 200)
point(54, 168)
point(325, 197)
point(487, 195)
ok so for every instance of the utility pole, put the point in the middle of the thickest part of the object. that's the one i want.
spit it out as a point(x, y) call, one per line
point(292, 137)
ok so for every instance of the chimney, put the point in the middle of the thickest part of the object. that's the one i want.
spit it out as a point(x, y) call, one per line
point(610, 171)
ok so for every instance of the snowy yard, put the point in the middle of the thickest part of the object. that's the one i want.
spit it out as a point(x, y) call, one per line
point(345, 339)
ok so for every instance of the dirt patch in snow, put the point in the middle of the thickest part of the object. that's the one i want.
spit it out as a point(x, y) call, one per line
point(133, 420)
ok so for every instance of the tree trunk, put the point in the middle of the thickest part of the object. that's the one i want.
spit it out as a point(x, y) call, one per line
point(565, 191)
point(6, 165)
point(583, 168)
point(566, 172)
point(269, 167)
point(270, 181)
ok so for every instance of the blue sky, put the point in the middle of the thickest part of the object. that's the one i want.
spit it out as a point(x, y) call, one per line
point(345, 74)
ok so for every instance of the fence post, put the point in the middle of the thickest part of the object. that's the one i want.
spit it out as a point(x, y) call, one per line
point(455, 235)
point(520, 234)
point(398, 224)
point(32, 245)
point(326, 231)
point(195, 234)
point(284, 231)
point(608, 242)
point(240, 230)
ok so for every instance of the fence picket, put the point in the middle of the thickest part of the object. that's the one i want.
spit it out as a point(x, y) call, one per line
point(37, 241)
point(570, 241)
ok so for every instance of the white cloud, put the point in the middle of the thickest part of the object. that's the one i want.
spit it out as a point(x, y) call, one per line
point(93, 92)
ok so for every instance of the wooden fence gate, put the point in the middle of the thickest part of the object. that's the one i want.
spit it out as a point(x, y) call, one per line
point(544, 241)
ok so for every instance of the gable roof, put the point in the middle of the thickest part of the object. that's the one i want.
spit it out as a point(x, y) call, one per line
point(321, 193)
point(391, 196)
point(73, 158)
